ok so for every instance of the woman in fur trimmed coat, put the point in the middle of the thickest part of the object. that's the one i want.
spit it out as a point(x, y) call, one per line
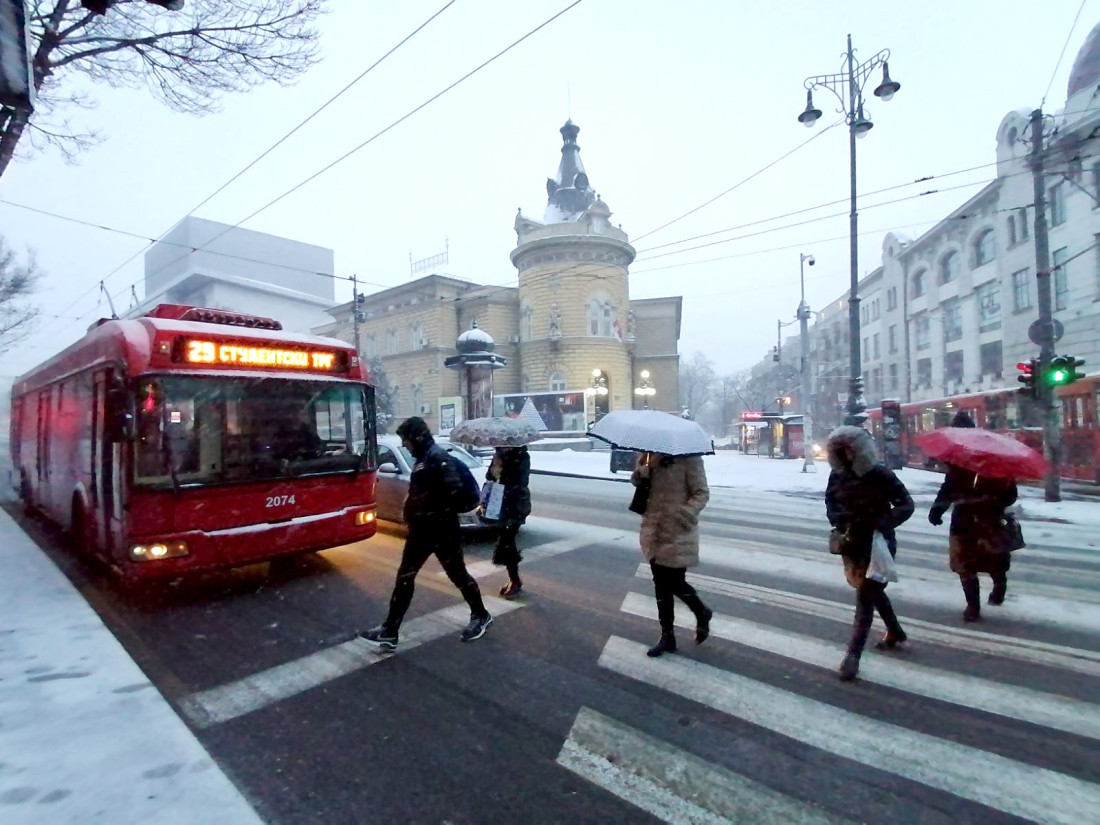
point(669, 538)
point(864, 497)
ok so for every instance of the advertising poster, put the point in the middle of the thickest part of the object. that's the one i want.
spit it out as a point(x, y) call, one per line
point(450, 413)
point(552, 412)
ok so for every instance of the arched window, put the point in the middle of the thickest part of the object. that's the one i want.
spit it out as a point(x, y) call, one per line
point(918, 284)
point(527, 323)
point(600, 318)
point(368, 346)
point(417, 398)
point(416, 335)
point(1010, 223)
point(557, 382)
point(949, 267)
point(395, 398)
point(391, 341)
point(985, 248)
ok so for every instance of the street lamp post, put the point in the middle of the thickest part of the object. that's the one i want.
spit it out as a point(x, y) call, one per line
point(597, 388)
point(807, 390)
point(645, 390)
point(850, 82)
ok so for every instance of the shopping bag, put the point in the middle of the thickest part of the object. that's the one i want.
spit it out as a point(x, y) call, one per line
point(882, 567)
point(492, 499)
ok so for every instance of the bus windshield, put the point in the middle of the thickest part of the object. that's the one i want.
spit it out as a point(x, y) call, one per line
point(195, 431)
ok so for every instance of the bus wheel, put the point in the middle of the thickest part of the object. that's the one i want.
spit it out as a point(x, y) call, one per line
point(78, 532)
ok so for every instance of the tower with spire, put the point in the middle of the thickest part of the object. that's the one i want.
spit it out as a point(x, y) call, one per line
point(573, 267)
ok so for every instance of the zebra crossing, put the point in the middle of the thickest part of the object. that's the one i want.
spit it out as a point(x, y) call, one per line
point(678, 786)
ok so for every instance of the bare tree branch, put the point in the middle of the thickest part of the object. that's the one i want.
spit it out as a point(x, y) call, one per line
point(187, 59)
point(17, 283)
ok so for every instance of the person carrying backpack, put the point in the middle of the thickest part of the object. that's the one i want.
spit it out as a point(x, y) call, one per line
point(440, 488)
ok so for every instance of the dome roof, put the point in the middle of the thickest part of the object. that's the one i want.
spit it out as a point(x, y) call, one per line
point(1086, 68)
point(475, 340)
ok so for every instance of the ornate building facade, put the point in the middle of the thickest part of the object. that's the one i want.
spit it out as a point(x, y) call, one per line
point(568, 329)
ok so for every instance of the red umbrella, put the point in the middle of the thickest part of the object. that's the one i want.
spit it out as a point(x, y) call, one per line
point(983, 452)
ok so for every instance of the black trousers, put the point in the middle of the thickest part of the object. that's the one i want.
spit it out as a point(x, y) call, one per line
point(445, 541)
point(871, 596)
point(668, 584)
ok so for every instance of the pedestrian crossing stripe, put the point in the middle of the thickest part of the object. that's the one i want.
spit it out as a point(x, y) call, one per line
point(959, 638)
point(1036, 707)
point(1016, 788)
point(481, 569)
point(672, 784)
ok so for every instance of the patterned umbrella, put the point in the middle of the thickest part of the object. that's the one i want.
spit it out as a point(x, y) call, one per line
point(495, 432)
point(653, 432)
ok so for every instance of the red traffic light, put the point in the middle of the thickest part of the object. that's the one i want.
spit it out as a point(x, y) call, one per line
point(1024, 367)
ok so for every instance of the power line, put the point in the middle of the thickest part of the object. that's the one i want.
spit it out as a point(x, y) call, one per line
point(1062, 53)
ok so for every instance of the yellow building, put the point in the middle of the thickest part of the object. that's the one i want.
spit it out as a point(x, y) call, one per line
point(569, 331)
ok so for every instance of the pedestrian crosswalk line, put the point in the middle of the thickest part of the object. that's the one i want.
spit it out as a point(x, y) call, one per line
point(959, 638)
point(481, 569)
point(1016, 788)
point(672, 784)
point(1036, 707)
point(247, 695)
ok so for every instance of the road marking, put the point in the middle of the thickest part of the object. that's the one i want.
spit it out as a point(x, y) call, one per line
point(1036, 707)
point(220, 704)
point(960, 638)
point(481, 569)
point(1014, 787)
point(672, 784)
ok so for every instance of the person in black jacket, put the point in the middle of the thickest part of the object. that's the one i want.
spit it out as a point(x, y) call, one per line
point(864, 497)
point(511, 468)
point(977, 541)
point(431, 513)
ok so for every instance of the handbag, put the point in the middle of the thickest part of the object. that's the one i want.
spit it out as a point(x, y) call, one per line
point(640, 502)
point(1013, 533)
point(839, 542)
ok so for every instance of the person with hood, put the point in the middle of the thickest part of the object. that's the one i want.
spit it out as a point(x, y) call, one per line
point(864, 497)
point(976, 540)
point(431, 513)
point(669, 538)
point(511, 468)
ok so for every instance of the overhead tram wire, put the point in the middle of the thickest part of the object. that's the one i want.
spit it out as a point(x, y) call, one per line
point(271, 148)
point(1062, 54)
point(382, 132)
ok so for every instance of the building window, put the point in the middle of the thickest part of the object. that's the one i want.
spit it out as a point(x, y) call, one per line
point(992, 359)
point(527, 323)
point(1021, 290)
point(395, 394)
point(918, 284)
point(989, 306)
point(894, 338)
point(1096, 184)
point(391, 341)
point(557, 382)
point(866, 348)
point(874, 310)
point(1057, 209)
point(924, 372)
point(952, 320)
point(875, 340)
point(893, 377)
point(949, 267)
point(369, 350)
point(923, 325)
point(985, 248)
point(1022, 213)
point(416, 335)
point(417, 399)
point(1061, 279)
point(892, 298)
point(953, 367)
point(1011, 224)
point(600, 318)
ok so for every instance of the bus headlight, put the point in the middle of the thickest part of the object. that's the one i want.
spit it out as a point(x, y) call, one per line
point(157, 550)
point(364, 517)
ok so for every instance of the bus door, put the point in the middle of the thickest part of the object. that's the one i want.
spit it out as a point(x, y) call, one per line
point(106, 468)
point(42, 448)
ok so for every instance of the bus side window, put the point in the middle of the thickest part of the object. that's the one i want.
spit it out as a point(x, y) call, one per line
point(119, 420)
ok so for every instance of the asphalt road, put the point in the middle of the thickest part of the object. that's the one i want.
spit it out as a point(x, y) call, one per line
point(556, 715)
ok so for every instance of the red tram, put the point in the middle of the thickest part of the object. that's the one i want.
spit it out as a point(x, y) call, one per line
point(1008, 412)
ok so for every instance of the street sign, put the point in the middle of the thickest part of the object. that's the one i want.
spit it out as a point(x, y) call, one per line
point(1038, 332)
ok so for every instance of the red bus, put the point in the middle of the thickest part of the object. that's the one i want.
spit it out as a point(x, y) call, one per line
point(192, 439)
point(1006, 411)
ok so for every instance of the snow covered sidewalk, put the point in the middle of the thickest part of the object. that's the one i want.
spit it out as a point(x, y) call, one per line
point(84, 736)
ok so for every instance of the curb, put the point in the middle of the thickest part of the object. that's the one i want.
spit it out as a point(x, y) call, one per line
point(577, 475)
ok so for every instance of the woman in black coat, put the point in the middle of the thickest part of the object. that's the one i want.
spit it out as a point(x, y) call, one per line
point(864, 497)
point(977, 542)
point(511, 468)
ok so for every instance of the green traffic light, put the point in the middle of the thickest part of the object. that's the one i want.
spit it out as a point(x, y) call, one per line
point(1058, 376)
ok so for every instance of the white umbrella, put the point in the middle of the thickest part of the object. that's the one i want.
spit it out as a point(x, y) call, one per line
point(494, 432)
point(653, 432)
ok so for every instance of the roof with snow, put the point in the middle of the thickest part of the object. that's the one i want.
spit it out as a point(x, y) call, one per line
point(568, 193)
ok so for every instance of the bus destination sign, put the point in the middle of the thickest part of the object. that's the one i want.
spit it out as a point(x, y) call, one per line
point(198, 351)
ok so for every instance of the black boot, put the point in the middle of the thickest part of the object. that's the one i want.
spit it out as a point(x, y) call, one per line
point(973, 591)
point(894, 634)
point(666, 644)
point(997, 594)
point(849, 668)
point(703, 615)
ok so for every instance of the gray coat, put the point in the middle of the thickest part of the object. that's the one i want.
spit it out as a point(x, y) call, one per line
point(678, 493)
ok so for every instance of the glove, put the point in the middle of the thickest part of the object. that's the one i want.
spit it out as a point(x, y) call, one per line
point(935, 516)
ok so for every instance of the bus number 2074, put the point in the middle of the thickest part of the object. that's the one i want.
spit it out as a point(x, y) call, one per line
point(279, 501)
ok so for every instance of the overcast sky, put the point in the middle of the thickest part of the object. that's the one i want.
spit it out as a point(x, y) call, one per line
point(677, 102)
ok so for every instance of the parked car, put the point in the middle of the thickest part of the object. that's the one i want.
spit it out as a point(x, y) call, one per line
point(395, 468)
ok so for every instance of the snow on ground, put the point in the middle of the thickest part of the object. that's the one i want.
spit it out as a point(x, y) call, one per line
point(737, 471)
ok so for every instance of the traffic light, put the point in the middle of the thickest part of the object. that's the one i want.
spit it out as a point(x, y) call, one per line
point(1063, 370)
point(775, 354)
point(1028, 371)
